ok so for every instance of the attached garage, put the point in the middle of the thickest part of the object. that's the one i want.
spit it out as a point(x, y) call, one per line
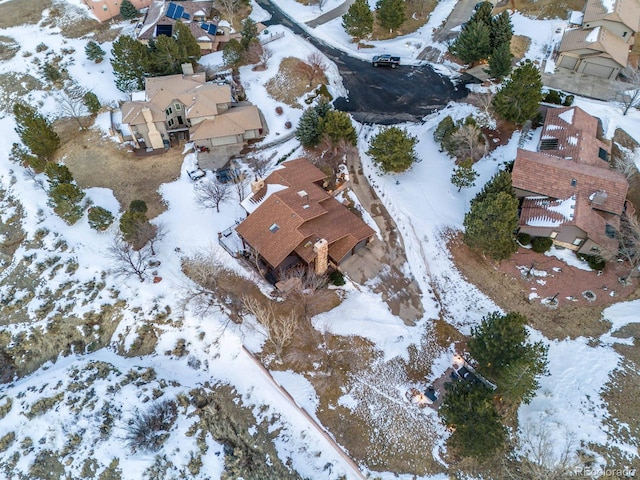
point(568, 62)
point(602, 71)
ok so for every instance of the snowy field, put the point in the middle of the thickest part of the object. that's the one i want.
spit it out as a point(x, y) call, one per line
point(424, 205)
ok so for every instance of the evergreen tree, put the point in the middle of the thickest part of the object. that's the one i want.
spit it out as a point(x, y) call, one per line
point(490, 225)
point(309, 131)
point(391, 13)
point(501, 30)
point(358, 21)
point(92, 103)
point(472, 44)
point(131, 63)
point(393, 149)
point(249, 32)
point(483, 14)
point(99, 218)
point(135, 226)
point(500, 61)
point(127, 10)
point(138, 206)
point(188, 47)
point(65, 200)
point(464, 176)
point(57, 173)
point(337, 125)
point(166, 57)
point(468, 409)
point(519, 98)
point(232, 53)
point(35, 131)
point(444, 128)
point(94, 52)
point(500, 182)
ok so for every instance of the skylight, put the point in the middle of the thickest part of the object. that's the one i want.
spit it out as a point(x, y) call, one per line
point(274, 228)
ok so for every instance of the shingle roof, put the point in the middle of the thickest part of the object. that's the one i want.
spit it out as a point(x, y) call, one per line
point(623, 11)
point(601, 40)
point(304, 213)
point(157, 16)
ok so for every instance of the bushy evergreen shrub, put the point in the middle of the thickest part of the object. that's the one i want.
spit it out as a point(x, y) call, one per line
point(541, 244)
point(524, 238)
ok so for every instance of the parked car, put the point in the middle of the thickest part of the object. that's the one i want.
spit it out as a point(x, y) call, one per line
point(385, 61)
point(196, 174)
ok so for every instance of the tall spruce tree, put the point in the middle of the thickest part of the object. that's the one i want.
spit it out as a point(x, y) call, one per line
point(35, 131)
point(393, 149)
point(358, 21)
point(490, 225)
point(337, 126)
point(309, 131)
point(483, 14)
point(500, 182)
point(500, 62)
point(501, 30)
point(519, 99)
point(187, 43)
point(94, 52)
point(131, 63)
point(65, 200)
point(391, 13)
point(249, 32)
point(473, 44)
point(166, 57)
point(127, 10)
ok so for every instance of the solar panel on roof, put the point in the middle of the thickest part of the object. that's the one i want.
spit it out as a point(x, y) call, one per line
point(164, 30)
point(171, 11)
point(186, 16)
point(212, 29)
point(204, 26)
point(179, 12)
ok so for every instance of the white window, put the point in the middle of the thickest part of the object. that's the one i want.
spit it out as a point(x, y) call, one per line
point(553, 234)
point(578, 241)
point(178, 106)
point(169, 111)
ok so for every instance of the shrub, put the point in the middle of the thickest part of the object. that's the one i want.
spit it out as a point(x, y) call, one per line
point(541, 244)
point(336, 278)
point(524, 238)
point(149, 430)
point(568, 100)
point(287, 125)
point(279, 110)
point(100, 218)
point(595, 262)
point(138, 206)
point(553, 96)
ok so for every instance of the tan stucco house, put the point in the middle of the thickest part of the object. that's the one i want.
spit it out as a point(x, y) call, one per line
point(567, 189)
point(600, 45)
point(105, 10)
point(186, 107)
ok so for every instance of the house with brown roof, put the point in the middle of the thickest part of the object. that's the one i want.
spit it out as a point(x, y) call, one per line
point(567, 188)
point(186, 107)
point(293, 220)
point(601, 44)
point(105, 10)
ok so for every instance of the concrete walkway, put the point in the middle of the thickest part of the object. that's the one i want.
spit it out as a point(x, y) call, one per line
point(331, 14)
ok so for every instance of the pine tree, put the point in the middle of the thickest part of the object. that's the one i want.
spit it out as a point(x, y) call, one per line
point(188, 47)
point(35, 131)
point(490, 225)
point(92, 103)
point(358, 21)
point(519, 98)
point(65, 200)
point(131, 63)
point(138, 206)
point(501, 30)
point(500, 182)
point(94, 52)
point(309, 131)
point(232, 53)
point(57, 173)
point(249, 32)
point(500, 61)
point(337, 125)
point(391, 13)
point(472, 44)
point(468, 409)
point(127, 10)
point(393, 149)
point(99, 218)
point(464, 176)
point(166, 57)
point(444, 128)
point(483, 14)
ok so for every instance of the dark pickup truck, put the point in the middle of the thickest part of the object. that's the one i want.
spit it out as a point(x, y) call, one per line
point(385, 61)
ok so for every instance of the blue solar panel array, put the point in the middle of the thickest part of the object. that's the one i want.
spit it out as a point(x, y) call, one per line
point(176, 11)
point(209, 27)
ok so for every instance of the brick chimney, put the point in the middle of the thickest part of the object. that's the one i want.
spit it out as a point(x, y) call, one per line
point(321, 248)
point(256, 185)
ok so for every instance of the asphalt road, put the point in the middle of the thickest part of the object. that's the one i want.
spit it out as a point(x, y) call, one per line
point(382, 95)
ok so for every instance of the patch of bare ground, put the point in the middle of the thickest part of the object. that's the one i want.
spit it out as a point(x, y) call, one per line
point(417, 14)
point(290, 84)
point(96, 161)
point(519, 46)
point(542, 8)
point(74, 22)
point(510, 290)
point(22, 12)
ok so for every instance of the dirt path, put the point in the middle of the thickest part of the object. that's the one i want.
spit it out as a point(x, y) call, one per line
point(96, 161)
point(385, 259)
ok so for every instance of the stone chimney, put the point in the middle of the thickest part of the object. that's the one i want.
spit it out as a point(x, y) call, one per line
point(155, 138)
point(256, 185)
point(321, 248)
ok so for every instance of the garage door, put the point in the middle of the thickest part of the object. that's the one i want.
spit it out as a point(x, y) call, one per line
point(598, 70)
point(568, 62)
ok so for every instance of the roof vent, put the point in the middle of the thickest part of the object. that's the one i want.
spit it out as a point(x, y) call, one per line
point(274, 228)
point(305, 206)
point(599, 197)
point(303, 194)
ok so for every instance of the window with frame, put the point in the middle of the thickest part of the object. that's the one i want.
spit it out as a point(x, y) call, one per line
point(578, 241)
point(170, 122)
point(178, 106)
point(169, 111)
point(553, 234)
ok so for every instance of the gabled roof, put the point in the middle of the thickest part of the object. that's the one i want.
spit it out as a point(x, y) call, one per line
point(598, 40)
point(295, 215)
point(235, 121)
point(156, 15)
point(626, 12)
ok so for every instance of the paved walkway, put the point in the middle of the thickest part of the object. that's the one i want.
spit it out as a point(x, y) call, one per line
point(331, 14)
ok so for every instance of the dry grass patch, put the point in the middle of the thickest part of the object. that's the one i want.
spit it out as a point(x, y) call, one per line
point(14, 86)
point(519, 46)
point(21, 12)
point(290, 84)
point(543, 8)
point(8, 48)
point(418, 12)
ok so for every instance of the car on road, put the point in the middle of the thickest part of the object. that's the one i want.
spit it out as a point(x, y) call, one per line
point(385, 61)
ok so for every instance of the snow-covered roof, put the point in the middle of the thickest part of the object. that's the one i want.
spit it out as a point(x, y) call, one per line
point(593, 35)
point(250, 204)
point(567, 115)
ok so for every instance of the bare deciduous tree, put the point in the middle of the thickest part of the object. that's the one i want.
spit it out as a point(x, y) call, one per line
point(71, 102)
point(259, 165)
point(313, 68)
point(469, 142)
point(265, 56)
point(229, 7)
point(240, 182)
point(211, 193)
point(254, 52)
point(625, 163)
point(629, 239)
point(628, 93)
point(127, 261)
point(280, 328)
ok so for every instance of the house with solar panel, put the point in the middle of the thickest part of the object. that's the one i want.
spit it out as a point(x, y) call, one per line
point(200, 17)
point(567, 188)
point(105, 10)
point(184, 107)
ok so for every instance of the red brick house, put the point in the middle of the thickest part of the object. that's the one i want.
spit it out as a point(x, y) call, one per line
point(568, 190)
point(293, 220)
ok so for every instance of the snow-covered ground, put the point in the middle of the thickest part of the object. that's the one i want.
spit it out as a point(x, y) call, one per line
point(424, 205)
